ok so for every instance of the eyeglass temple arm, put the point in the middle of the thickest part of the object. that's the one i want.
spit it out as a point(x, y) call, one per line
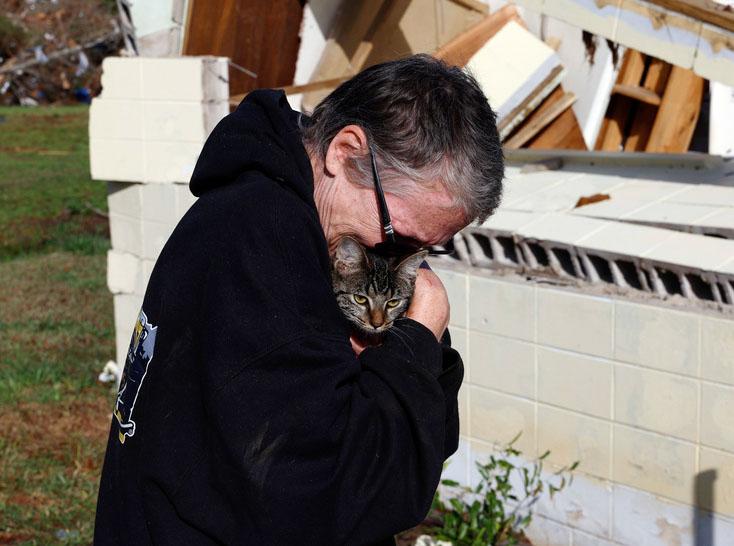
point(384, 213)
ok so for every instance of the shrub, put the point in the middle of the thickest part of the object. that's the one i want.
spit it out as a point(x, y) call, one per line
point(496, 511)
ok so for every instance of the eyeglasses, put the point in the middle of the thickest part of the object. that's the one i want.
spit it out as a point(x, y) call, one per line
point(393, 245)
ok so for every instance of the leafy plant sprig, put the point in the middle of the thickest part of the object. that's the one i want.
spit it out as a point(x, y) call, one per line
point(494, 512)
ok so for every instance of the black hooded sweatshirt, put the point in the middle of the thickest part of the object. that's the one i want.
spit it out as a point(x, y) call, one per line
point(244, 416)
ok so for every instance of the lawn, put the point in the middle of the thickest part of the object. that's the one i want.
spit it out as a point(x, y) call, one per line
point(56, 327)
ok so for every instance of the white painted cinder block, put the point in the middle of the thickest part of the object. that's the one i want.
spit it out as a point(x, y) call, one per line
point(654, 463)
point(184, 199)
point(124, 198)
point(573, 437)
point(117, 159)
point(585, 539)
point(717, 416)
point(717, 341)
point(641, 518)
point(174, 121)
point(116, 119)
point(575, 322)
point(122, 78)
point(158, 203)
point(656, 401)
point(546, 532)
point(503, 308)
point(460, 342)
point(126, 234)
point(168, 162)
point(458, 464)
point(214, 112)
point(582, 505)
point(155, 236)
point(502, 363)
point(574, 381)
point(124, 273)
point(722, 463)
point(185, 78)
point(497, 418)
point(456, 285)
point(148, 266)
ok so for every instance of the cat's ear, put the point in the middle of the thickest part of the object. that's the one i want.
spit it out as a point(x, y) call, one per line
point(409, 266)
point(350, 256)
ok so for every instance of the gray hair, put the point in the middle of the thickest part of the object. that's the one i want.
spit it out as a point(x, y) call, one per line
point(426, 122)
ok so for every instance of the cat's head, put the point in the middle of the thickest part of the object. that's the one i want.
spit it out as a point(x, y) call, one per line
point(371, 290)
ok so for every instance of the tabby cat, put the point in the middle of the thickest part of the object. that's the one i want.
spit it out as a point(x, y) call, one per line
point(371, 290)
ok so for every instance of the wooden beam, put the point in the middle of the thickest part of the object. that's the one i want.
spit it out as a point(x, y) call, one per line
point(541, 122)
point(707, 11)
point(678, 113)
point(656, 81)
point(611, 133)
point(459, 50)
point(637, 92)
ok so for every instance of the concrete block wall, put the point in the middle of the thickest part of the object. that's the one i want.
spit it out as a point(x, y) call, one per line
point(146, 130)
point(641, 394)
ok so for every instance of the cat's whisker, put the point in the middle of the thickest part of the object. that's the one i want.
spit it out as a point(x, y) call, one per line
point(398, 335)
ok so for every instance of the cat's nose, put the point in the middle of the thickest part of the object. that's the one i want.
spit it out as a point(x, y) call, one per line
point(377, 320)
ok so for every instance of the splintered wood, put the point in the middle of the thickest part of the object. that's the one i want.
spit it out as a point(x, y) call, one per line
point(654, 107)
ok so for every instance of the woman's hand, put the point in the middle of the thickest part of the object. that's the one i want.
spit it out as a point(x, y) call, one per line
point(357, 344)
point(430, 303)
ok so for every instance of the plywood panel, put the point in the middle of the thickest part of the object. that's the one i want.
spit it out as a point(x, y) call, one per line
point(259, 36)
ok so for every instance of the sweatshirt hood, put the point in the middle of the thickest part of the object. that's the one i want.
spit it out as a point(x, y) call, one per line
point(262, 135)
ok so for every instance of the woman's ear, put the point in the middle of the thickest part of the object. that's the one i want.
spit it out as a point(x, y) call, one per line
point(349, 142)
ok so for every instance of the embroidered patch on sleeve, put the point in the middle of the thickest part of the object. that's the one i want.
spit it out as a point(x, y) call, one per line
point(139, 355)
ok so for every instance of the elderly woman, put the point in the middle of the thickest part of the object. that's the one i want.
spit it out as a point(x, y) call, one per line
point(245, 416)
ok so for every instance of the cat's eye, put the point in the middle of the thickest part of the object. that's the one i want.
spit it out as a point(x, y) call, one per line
point(393, 303)
point(359, 299)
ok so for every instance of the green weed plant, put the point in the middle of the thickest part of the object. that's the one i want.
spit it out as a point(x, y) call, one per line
point(496, 510)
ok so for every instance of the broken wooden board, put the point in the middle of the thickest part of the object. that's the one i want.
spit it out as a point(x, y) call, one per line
point(563, 132)
point(367, 33)
point(540, 122)
point(678, 113)
point(460, 49)
point(529, 70)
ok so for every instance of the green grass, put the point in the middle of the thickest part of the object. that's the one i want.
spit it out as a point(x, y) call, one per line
point(47, 200)
point(56, 327)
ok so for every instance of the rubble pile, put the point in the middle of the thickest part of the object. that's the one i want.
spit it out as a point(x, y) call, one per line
point(51, 50)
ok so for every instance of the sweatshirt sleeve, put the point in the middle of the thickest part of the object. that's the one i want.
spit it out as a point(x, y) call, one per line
point(316, 445)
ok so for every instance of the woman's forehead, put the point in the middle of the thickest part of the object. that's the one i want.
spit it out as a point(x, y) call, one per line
point(431, 218)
